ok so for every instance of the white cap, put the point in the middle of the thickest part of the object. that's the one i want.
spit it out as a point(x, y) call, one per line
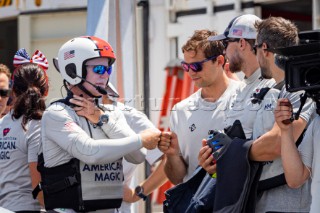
point(239, 27)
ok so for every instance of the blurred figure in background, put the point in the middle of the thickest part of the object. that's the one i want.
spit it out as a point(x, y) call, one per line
point(21, 134)
point(5, 76)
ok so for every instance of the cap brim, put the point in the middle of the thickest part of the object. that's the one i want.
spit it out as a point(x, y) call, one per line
point(112, 91)
point(217, 37)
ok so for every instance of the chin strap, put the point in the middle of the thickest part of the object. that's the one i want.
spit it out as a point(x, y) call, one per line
point(80, 86)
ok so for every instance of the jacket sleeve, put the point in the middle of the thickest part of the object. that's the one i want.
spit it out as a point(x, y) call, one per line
point(119, 128)
point(61, 127)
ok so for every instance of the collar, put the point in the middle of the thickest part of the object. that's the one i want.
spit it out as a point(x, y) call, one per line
point(253, 77)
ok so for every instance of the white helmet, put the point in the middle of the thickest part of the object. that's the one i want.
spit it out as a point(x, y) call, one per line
point(75, 52)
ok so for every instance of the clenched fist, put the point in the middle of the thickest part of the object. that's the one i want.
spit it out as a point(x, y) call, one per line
point(150, 138)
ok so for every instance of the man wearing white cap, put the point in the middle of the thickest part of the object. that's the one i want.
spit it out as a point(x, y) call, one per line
point(239, 39)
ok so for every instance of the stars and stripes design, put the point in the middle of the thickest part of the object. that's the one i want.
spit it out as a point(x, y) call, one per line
point(22, 57)
point(68, 54)
point(237, 32)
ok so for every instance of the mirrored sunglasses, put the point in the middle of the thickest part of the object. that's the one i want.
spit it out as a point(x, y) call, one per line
point(195, 66)
point(101, 69)
point(4, 93)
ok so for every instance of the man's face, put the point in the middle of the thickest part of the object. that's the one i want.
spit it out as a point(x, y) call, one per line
point(263, 63)
point(95, 76)
point(4, 85)
point(208, 73)
point(233, 55)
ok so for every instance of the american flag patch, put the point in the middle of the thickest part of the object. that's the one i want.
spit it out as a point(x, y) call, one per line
point(237, 32)
point(69, 54)
point(72, 126)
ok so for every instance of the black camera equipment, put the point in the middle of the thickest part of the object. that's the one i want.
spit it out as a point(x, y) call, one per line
point(302, 67)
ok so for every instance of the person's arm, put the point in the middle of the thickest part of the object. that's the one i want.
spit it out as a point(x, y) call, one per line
point(35, 180)
point(60, 127)
point(156, 179)
point(296, 172)
point(268, 146)
point(175, 166)
point(33, 140)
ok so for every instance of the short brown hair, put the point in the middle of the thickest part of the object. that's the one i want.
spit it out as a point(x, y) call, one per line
point(277, 32)
point(199, 41)
point(4, 69)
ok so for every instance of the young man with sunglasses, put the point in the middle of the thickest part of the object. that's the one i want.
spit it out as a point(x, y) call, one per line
point(83, 143)
point(274, 33)
point(5, 76)
point(192, 118)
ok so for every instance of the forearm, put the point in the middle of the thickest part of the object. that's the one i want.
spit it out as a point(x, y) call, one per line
point(35, 180)
point(156, 179)
point(175, 168)
point(296, 172)
point(104, 150)
point(268, 146)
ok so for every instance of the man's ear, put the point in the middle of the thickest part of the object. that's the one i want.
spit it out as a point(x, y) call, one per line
point(220, 60)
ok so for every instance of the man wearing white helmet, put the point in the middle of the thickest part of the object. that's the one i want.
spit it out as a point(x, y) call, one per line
point(81, 159)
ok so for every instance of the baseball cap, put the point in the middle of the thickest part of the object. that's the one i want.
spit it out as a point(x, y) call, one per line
point(240, 27)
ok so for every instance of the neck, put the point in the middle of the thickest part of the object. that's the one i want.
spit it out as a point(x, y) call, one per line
point(106, 100)
point(277, 74)
point(250, 64)
point(216, 89)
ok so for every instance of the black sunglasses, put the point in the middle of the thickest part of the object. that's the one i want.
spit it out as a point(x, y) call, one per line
point(256, 46)
point(225, 42)
point(195, 66)
point(4, 93)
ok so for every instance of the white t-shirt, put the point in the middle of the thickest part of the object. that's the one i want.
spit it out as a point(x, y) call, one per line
point(192, 118)
point(310, 154)
point(242, 108)
point(18, 148)
point(138, 122)
point(284, 198)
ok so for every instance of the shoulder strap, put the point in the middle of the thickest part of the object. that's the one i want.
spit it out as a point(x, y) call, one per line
point(259, 96)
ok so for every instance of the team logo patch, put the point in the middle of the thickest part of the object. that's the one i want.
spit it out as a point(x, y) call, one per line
point(192, 127)
point(5, 131)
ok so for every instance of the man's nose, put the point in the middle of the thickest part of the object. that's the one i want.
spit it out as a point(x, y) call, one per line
point(105, 75)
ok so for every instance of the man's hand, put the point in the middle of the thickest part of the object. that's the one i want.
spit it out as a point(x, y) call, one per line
point(169, 143)
point(150, 138)
point(206, 159)
point(283, 112)
point(129, 194)
point(86, 107)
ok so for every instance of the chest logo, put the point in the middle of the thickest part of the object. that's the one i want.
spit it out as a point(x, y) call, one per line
point(192, 127)
point(5, 131)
